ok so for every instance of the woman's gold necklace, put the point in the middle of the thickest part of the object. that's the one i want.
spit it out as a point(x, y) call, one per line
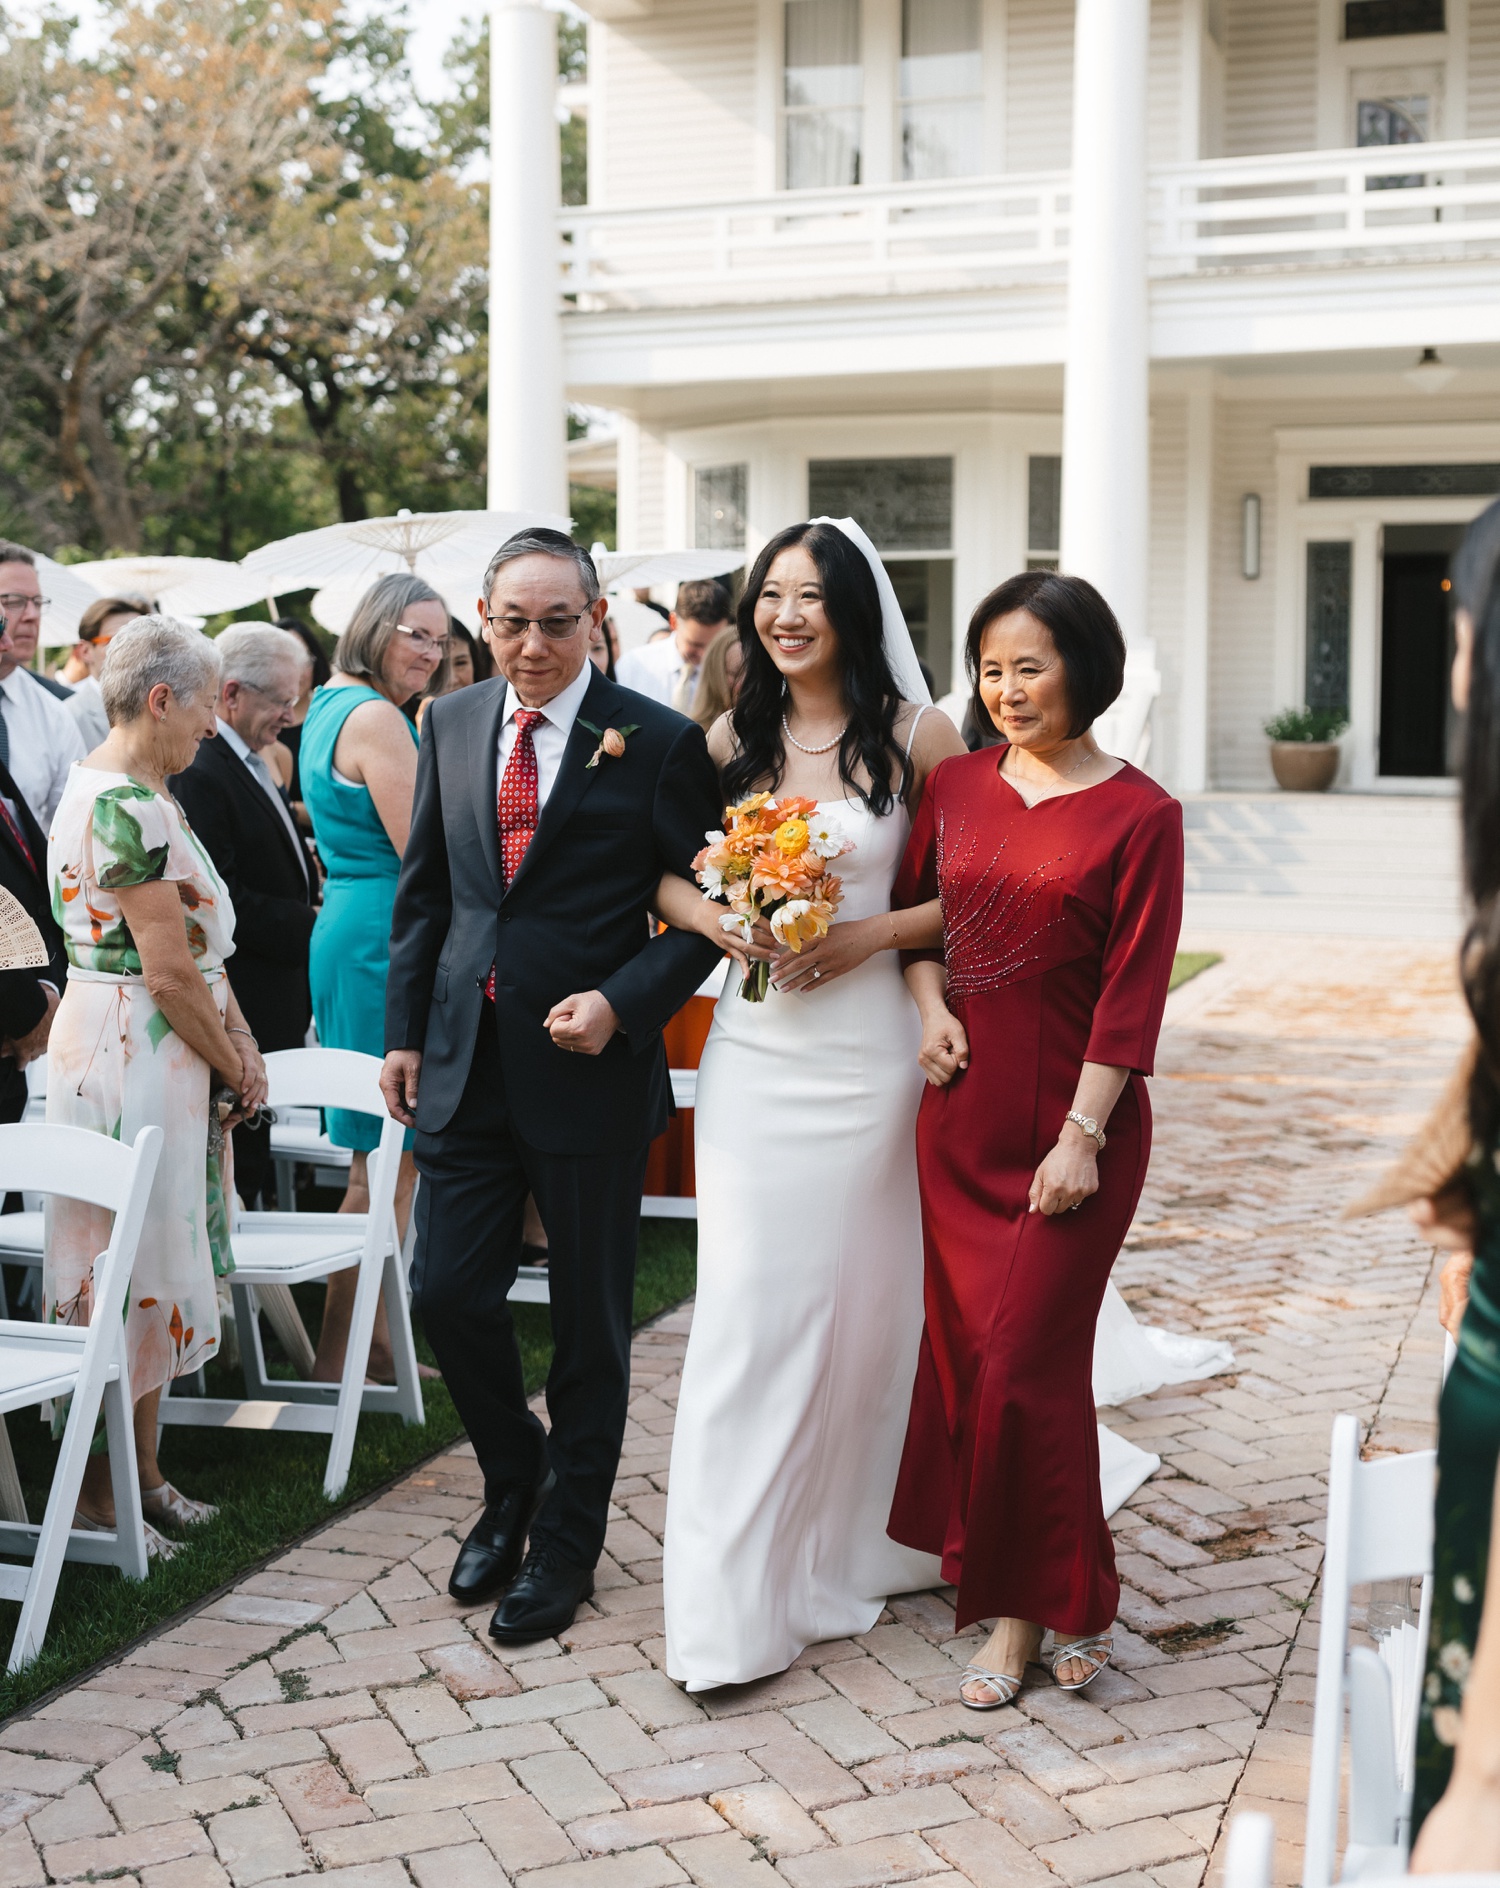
point(1082, 761)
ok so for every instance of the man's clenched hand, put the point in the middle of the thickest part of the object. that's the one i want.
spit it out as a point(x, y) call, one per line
point(583, 1024)
point(399, 1075)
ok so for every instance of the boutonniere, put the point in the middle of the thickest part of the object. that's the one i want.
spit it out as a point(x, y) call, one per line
point(611, 740)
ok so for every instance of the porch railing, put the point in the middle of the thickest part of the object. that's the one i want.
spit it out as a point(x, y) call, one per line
point(1305, 209)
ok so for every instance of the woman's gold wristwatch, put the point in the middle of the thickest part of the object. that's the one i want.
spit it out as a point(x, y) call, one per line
point(1089, 1125)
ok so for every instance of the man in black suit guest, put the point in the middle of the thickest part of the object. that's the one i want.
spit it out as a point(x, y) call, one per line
point(524, 1010)
point(235, 806)
point(28, 998)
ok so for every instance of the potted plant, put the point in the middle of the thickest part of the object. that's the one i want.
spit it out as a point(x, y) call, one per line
point(1305, 748)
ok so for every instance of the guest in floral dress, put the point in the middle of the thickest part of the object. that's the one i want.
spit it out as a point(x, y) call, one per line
point(147, 1028)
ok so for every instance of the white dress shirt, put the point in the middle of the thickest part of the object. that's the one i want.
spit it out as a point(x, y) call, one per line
point(44, 742)
point(550, 735)
point(260, 773)
point(86, 706)
point(655, 669)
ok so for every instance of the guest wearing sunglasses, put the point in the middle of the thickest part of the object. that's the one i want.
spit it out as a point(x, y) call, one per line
point(358, 767)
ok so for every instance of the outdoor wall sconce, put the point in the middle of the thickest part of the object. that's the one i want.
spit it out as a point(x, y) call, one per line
point(1250, 535)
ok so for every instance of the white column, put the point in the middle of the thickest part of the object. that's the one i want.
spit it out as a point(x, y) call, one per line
point(528, 465)
point(1106, 466)
point(1197, 566)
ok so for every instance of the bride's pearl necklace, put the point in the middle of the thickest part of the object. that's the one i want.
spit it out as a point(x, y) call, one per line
point(826, 748)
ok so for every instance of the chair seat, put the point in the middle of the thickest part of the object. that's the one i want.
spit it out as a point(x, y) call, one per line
point(293, 1258)
point(684, 1087)
point(38, 1361)
point(298, 1135)
point(21, 1238)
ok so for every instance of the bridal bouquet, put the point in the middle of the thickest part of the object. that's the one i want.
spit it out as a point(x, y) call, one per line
point(771, 861)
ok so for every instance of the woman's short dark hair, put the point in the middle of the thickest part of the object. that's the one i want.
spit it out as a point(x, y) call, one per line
point(1082, 627)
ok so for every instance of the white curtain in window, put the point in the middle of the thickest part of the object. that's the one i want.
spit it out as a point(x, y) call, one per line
point(942, 86)
point(824, 86)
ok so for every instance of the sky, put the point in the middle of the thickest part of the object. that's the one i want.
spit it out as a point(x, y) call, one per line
point(434, 25)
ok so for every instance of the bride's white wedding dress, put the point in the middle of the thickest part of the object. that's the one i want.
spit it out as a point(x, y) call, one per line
point(799, 1368)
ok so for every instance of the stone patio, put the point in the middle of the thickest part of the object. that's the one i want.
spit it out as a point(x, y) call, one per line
point(338, 1713)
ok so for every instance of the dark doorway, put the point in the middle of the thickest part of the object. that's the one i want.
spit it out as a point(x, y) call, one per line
point(1416, 651)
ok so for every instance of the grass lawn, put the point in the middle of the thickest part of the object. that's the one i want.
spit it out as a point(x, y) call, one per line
point(1187, 964)
point(269, 1487)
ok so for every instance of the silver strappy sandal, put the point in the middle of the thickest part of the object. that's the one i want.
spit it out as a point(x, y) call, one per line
point(1001, 1684)
point(1094, 1651)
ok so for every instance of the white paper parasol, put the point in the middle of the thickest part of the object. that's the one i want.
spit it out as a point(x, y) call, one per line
point(427, 542)
point(181, 586)
point(71, 595)
point(643, 570)
point(334, 605)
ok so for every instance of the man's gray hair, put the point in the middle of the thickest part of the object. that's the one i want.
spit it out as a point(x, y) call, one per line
point(363, 646)
point(148, 652)
point(256, 653)
point(537, 541)
point(16, 554)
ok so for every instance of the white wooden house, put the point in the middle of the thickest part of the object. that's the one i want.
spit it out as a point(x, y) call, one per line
point(826, 264)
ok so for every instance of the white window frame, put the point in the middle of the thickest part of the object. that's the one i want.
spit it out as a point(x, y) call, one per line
point(1338, 58)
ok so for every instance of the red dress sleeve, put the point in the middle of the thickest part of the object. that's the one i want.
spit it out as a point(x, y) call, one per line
point(917, 881)
point(1143, 930)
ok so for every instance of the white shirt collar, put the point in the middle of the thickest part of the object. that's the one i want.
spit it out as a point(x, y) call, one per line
point(562, 710)
point(237, 745)
point(16, 679)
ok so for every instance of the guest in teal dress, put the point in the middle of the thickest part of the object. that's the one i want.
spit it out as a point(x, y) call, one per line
point(359, 767)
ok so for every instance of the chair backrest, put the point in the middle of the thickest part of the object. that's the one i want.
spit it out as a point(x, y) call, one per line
point(326, 1078)
point(74, 1163)
point(1250, 1851)
point(1379, 1528)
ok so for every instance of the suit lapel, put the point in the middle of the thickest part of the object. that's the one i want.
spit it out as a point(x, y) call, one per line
point(256, 793)
point(484, 783)
point(574, 776)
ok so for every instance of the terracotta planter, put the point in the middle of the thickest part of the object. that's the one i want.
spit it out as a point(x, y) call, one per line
point(1305, 766)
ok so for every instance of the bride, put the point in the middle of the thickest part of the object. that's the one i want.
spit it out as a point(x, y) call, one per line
point(804, 1339)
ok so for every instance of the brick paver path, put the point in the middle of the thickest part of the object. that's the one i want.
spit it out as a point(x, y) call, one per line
point(338, 1713)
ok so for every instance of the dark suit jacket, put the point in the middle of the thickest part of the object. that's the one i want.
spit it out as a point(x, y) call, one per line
point(22, 1000)
point(269, 882)
point(573, 919)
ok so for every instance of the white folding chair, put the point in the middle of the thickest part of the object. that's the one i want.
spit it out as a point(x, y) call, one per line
point(1250, 1851)
point(39, 1362)
point(1379, 1529)
point(295, 1248)
point(298, 1139)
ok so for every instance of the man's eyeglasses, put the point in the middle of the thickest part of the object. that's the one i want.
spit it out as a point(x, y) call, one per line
point(421, 642)
point(14, 605)
point(554, 628)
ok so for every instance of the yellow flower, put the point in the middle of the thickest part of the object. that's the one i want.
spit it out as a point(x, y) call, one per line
point(791, 838)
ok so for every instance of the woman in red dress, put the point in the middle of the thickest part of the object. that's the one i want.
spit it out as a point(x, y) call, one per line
point(1060, 874)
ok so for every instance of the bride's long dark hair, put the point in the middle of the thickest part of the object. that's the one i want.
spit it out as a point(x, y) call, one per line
point(851, 603)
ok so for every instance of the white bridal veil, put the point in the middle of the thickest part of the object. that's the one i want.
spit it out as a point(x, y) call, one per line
point(900, 650)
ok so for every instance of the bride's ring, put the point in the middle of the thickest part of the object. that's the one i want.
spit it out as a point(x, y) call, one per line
point(816, 972)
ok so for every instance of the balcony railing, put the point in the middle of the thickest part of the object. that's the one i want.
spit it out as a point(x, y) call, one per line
point(1407, 203)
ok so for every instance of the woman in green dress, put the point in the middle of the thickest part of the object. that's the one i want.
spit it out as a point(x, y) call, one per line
point(1468, 1213)
point(359, 767)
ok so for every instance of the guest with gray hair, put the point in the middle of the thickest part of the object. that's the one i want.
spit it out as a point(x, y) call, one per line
point(147, 1028)
point(358, 770)
point(240, 814)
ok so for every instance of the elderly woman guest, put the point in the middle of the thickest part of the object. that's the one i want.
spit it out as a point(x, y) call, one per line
point(1060, 874)
point(148, 1025)
point(358, 767)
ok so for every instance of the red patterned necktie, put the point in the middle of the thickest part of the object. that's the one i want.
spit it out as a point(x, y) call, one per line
point(13, 826)
point(518, 810)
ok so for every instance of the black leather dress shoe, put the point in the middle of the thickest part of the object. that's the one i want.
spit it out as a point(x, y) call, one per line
point(547, 1593)
point(488, 1559)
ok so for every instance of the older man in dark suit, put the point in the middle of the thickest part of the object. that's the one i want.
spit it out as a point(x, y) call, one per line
point(524, 1010)
point(237, 809)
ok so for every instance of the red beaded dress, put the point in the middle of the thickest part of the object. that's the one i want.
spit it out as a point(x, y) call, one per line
point(1059, 924)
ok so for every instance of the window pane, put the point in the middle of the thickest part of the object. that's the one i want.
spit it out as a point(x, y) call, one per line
point(903, 504)
point(942, 140)
point(1328, 585)
point(822, 150)
point(939, 48)
point(719, 507)
point(1043, 504)
point(1388, 19)
point(822, 52)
